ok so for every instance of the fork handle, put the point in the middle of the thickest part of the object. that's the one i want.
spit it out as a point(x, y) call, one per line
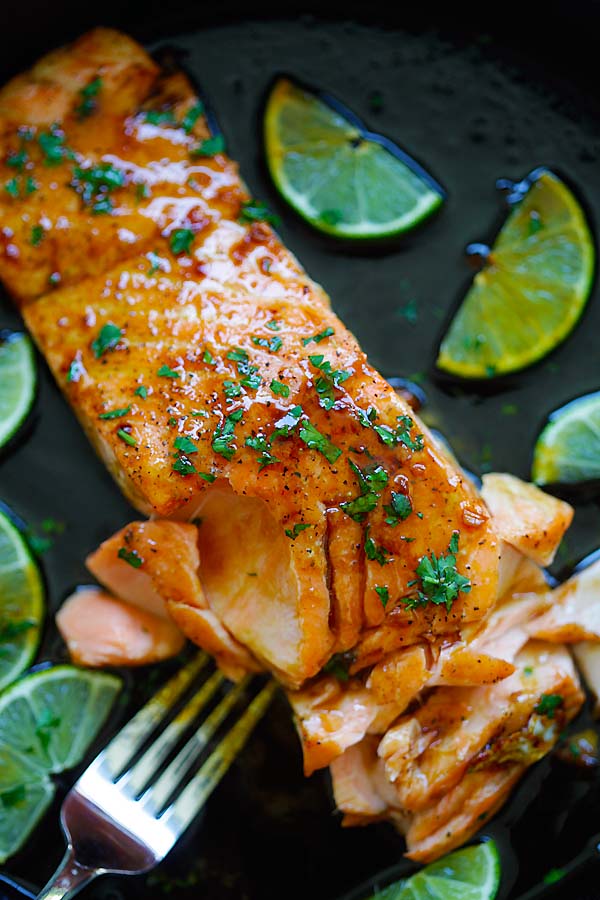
point(68, 880)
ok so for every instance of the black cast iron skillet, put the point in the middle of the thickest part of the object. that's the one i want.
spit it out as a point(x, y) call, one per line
point(475, 93)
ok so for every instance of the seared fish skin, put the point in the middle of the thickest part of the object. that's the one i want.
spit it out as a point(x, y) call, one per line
point(304, 520)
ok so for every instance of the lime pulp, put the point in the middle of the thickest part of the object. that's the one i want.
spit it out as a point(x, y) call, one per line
point(568, 449)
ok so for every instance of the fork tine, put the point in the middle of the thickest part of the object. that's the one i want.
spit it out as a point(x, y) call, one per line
point(158, 794)
point(136, 778)
point(179, 815)
point(125, 744)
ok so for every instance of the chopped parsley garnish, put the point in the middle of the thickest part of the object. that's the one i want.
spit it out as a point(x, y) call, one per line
point(231, 389)
point(115, 413)
point(224, 435)
point(159, 117)
point(287, 424)
point(239, 356)
point(132, 557)
point(126, 437)
point(95, 184)
point(192, 116)
point(184, 444)
point(181, 240)
point(280, 389)
point(440, 581)
point(317, 338)
point(207, 476)
point(399, 509)
point(210, 146)
point(339, 666)
point(17, 160)
point(548, 705)
point(401, 435)
point(208, 358)
point(30, 186)
point(273, 344)
point(142, 191)
point(257, 211)
point(293, 533)
point(367, 418)
point(383, 592)
point(156, 263)
point(108, 338)
point(331, 378)
point(167, 372)
point(252, 381)
point(263, 448)
point(184, 466)
point(374, 551)
point(88, 102)
point(12, 187)
point(75, 371)
point(317, 441)
point(52, 145)
point(37, 235)
point(273, 325)
point(141, 391)
point(371, 480)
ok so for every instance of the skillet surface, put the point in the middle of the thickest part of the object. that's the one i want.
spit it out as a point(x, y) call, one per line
point(472, 104)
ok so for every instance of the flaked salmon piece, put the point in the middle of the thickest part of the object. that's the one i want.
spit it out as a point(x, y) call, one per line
point(330, 717)
point(587, 657)
point(356, 779)
point(428, 753)
point(399, 677)
point(525, 516)
point(460, 813)
point(155, 567)
point(100, 630)
point(346, 562)
point(574, 610)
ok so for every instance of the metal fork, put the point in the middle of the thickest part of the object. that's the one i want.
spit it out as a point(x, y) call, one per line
point(127, 810)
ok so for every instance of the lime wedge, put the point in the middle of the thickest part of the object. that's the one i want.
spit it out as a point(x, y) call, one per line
point(47, 722)
point(532, 289)
point(341, 178)
point(469, 874)
point(21, 603)
point(17, 382)
point(568, 449)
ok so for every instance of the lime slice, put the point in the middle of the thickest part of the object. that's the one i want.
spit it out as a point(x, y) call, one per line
point(47, 722)
point(21, 603)
point(341, 178)
point(17, 382)
point(469, 874)
point(568, 449)
point(532, 289)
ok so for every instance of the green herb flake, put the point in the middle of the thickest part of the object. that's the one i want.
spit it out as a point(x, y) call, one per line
point(184, 466)
point(141, 391)
point(293, 533)
point(210, 146)
point(383, 593)
point(167, 372)
point(94, 184)
point(17, 160)
point(159, 117)
point(554, 875)
point(252, 381)
point(257, 211)
point(108, 338)
point(280, 389)
point(317, 338)
point(12, 187)
point(37, 235)
point(399, 509)
point(263, 448)
point(184, 444)
point(374, 551)
point(88, 99)
point(181, 240)
point(548, 704)
point(224, 435)
point(192, 116)
point(273, 325)
point(75, 371)
point(231, 389)
point(207, 476)
point(208, 358)
point(314, 440)
point(131, 557)
point(52, 145)
point(126, 437)
point(272, 344)
point(440, 581)
point(115, 413)
point(339, 666)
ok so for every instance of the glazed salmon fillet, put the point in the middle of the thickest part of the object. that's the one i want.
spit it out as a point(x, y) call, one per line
point(303, 519)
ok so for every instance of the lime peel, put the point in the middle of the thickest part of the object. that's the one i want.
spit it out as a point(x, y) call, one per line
point(568, 449)
point(18, 380)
